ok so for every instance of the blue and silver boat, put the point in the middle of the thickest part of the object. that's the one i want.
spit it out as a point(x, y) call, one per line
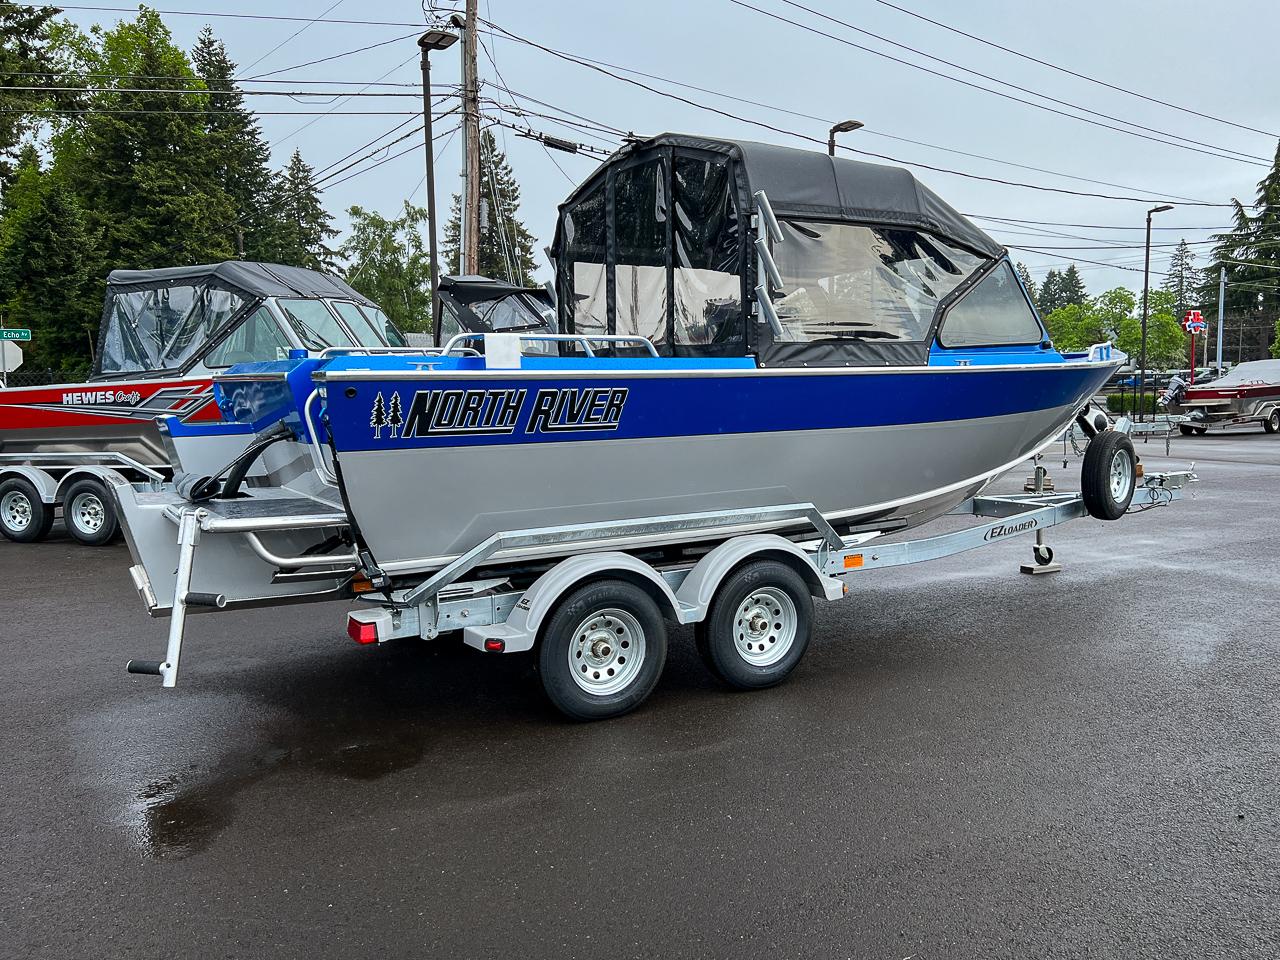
point(742, 325)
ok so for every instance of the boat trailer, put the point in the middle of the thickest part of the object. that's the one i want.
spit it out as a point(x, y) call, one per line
point(495, 617)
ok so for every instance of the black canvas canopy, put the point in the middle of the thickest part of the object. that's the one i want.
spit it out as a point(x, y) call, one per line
point(658, 242)
point(252, 279)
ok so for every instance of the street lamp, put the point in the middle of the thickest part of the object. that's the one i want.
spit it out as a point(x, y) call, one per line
point(432, 40)
point(844, 126)
point(1146, 284)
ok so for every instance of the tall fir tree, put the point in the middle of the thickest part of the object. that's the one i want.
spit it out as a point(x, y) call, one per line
point(1183, 279)
point(139, 159)
point(1028, 283)
point(1051, 293)
point(304, 226)
point(240, 155)
point(46, 267)
point(506, 246)
point(29, 57)
point(1071, 288)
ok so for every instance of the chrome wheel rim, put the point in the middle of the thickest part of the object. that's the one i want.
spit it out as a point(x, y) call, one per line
point(765, 626)
point(1121, 475)
point(16, 510)
point(88, 513)
point(607, 652)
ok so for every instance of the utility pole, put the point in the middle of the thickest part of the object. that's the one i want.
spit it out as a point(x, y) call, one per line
point(1222, 309)
point(471, 145)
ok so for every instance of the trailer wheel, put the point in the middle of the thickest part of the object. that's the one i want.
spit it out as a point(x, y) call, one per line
point(24, 517)
point(1201, 431)
point(758, 626)
point(1109, 475)
point(1272, 423)
point(1185, 430)
point(603, 650)
point(89, 513)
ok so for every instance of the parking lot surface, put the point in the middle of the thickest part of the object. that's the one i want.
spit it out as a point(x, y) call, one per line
point(968, 763)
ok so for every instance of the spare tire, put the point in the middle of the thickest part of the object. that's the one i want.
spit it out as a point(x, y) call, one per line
point(1109, 475)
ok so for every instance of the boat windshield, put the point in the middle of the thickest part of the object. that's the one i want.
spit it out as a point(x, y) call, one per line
point(161, 329)
point(847, 281)
point(370, 325)
point(314, 324)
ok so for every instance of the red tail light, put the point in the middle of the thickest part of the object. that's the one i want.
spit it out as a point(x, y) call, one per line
point(362, 632)
point(495, 646)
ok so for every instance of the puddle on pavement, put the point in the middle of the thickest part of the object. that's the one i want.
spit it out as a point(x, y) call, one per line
point(172, 819)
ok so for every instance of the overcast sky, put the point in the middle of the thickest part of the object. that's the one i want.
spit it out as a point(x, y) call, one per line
point(1174, 50)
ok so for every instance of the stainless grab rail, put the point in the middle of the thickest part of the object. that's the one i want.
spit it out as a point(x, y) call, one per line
point(584, 340)
point(313, 442)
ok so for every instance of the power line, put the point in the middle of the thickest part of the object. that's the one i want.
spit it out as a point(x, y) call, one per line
point(814, 140)
point(827, 121)
point(234, 16)
point(152, 76)
point(336, 56)
point(1077, 75)
point(1241, 158)
point(237, 91)
point(292, 36)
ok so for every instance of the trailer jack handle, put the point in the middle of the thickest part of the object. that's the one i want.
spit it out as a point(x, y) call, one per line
point(183, 597)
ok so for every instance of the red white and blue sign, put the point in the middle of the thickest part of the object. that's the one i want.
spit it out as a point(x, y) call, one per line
point(1193, 322)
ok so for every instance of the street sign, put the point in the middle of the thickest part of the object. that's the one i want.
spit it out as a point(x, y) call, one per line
point(1193, 322)
point(16, 333)
point(10, 357)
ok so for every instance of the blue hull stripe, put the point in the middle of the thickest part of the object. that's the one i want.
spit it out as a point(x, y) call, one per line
point(426, 412)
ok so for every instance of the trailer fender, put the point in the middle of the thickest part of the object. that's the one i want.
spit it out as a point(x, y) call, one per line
point(704, 580)
point(107, 475)
point(520, 631)
point(45, 485)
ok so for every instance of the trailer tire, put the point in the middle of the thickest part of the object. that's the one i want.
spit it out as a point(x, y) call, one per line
point(1272, 423)
point(1185, 430)
point(89, 513)
point(758, 627)
point(1109, 475)
point(602, 650)
point(24, 517)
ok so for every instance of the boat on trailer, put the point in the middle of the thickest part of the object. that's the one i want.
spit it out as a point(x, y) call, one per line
point(164, 334)
point(1248, 393)
point(758, 345)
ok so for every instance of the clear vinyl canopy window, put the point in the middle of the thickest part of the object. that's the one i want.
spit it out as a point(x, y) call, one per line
point(164, 328)
point(994, 313)
point(848, 281)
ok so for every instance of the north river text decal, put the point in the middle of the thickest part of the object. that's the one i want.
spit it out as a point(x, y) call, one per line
point(475, 412)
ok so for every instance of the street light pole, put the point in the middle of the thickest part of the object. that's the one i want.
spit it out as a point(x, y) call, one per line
point(432, 40)
point(1146, 285)
point(844, 126)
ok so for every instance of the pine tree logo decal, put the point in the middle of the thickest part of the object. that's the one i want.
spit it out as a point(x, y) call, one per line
point(379, 418)
point(394, 419)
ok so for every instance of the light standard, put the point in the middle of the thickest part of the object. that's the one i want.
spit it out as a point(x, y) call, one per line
point(1146, 284)
point(432, 40)
point(844, 126)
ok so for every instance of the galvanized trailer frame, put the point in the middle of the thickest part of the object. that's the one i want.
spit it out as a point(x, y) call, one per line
point(494, 617)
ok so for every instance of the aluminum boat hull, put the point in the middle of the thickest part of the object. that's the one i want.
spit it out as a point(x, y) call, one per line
point(864, 446)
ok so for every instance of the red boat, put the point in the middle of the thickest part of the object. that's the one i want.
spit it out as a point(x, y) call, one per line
point(164, 334)
point(1248, 393)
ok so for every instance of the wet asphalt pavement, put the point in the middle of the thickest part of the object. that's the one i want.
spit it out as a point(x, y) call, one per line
point(968, 763)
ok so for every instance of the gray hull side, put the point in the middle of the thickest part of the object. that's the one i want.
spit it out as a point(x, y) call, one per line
point(432, 504)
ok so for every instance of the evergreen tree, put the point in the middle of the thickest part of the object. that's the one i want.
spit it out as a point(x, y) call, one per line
point(240, 154)
point(1183, 279)
point(28, 58)
point(1028, 283)
point(1050, 298)
point(506, 247)
point(1071, 288)
point(388, 261)
point(46, 264)
point(304, 226)
point(140, 162)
